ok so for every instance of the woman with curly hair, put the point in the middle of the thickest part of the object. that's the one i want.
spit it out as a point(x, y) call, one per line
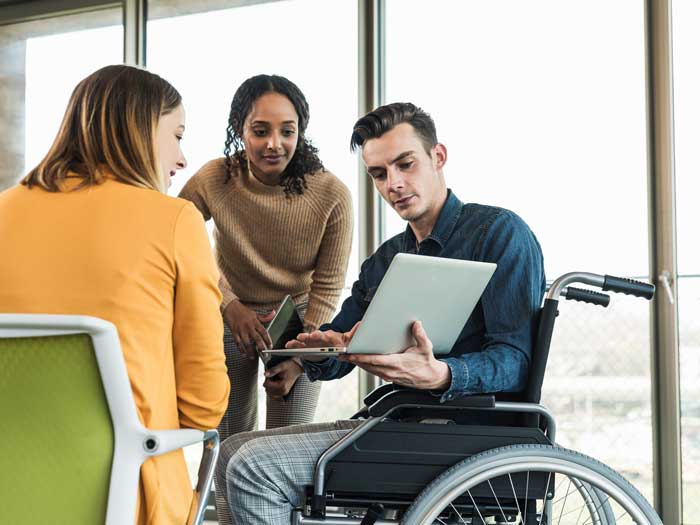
point(283, 226)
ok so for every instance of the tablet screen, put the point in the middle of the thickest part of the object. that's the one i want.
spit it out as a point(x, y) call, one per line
point(286, 325)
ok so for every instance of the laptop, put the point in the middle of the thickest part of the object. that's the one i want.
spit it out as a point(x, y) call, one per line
point(438, 291)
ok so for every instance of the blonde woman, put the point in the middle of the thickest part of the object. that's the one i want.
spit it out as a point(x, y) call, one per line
point(91, 232)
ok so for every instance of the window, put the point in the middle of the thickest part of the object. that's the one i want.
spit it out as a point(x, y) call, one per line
point(540, 118)
point(36, 95)
point(686, 42)
point(207, 55)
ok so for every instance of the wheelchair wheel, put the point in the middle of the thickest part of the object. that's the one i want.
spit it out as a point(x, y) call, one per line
point(530, 484)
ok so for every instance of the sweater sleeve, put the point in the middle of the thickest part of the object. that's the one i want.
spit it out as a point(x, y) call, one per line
point(195, 193)
point(227, 293)
point(200, 369)
point(195, 190)
point(328, 277)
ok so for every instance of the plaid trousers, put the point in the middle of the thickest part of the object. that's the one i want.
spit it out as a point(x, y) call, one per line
point(264, 473)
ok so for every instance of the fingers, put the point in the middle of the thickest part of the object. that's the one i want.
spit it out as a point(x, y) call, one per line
point(315, 338)
point(273, 388)
point(266, 318)
point(262, 338)
point(244, 346)
point(286, 368)
point(347, 336)
point(295, 343)
point(274, 370)
point(369, 359)
point(421, 337)
point(278, 386)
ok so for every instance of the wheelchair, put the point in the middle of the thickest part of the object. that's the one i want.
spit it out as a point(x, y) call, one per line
point(476, 460)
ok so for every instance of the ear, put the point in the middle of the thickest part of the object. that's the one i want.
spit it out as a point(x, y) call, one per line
point(439, 155)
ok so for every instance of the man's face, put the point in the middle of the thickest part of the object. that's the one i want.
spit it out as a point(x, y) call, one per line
point(408, 178)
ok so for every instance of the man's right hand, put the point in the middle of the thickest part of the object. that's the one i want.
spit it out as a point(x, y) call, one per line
point(318, 339)
point(246, 327)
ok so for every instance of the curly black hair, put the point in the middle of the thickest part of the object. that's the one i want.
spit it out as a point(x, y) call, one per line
point(305, 159)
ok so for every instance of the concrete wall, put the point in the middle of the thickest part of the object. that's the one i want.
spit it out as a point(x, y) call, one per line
point(11, 110)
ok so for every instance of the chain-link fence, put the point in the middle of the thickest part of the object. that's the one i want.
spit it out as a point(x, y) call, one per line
point(598, 385)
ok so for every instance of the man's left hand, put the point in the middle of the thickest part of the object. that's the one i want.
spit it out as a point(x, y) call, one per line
point(415, 367)
point(280, 378)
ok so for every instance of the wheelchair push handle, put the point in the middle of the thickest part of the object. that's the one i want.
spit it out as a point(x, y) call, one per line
point(586, 296)
point(629, 287)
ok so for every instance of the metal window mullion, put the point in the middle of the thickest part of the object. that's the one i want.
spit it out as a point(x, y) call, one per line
point(135, 23)
point(371, 73)
point(663, 263)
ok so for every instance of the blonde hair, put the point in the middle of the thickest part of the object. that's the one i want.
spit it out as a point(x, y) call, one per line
point(109, 127)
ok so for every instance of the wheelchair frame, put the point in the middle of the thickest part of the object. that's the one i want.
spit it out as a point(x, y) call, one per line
point(388, 401)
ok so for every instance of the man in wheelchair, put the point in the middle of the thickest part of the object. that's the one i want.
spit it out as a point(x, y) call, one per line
point(261, 476)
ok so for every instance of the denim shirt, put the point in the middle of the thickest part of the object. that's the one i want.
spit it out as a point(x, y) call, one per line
point(493, 351)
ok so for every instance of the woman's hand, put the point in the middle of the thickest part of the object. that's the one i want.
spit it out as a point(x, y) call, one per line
point(246, 327)
point(280, 378)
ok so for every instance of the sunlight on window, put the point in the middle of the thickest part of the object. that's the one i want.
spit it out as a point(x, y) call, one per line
point(537, 116)
point(48, 88)
point(541, 106)
point(686, 83)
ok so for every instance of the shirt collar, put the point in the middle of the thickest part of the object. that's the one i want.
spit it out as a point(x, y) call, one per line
point(444, 226)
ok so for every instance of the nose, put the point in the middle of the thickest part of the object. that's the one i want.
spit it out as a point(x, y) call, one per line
point(394, 178)
point(273, 142)
point(182, 163)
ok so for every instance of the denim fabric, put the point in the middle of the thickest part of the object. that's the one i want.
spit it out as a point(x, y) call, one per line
point(493, 351)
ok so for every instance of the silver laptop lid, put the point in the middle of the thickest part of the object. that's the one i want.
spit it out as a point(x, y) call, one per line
point(438, 291)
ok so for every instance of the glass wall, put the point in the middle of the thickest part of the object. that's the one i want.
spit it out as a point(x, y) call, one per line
point(541, 105)
point(208, 55)
point(35, 92)
point(686, 72)
point(541, 118)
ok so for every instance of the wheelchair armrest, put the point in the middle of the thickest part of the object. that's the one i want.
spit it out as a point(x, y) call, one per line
point(421, 398)
point(379, 392)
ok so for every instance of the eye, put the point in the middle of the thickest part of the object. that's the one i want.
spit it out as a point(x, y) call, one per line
point(178, 137)
point(405, 165)
point(259, 132)
point(377, 175)
point(288, 132)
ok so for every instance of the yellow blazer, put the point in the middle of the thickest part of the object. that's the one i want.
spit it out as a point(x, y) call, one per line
point(141, 260)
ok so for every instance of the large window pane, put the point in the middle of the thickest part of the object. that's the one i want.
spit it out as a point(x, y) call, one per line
point(34, 90)
point(542, 108)
point(686, 43)
point(207, 55)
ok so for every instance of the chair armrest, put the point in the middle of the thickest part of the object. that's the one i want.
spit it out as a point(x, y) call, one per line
point(400, 396)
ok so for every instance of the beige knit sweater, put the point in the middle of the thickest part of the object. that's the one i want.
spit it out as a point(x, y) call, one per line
point(269, 244)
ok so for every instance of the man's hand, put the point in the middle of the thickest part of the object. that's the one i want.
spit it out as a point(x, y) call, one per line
point(247, 329)
point(415, 367)
point(280, 378)
point(318, 339)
